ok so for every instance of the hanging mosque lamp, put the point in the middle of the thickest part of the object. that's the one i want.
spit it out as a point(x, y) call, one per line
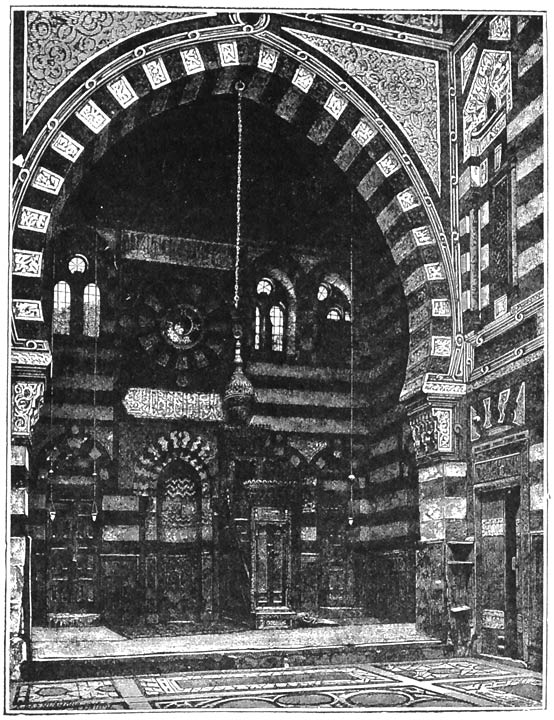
point(239, 396)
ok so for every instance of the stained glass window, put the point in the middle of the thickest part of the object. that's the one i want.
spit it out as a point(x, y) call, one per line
point(258, 329)
point(77, 264)
point(91, 310)
point(264, 287)
point(323, 292)
point(276, 316)
point(61, 314)
point(334, 314)
point(270, 316)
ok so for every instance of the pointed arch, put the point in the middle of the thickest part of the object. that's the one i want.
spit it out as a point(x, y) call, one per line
point(177, 445)
point(395, 192)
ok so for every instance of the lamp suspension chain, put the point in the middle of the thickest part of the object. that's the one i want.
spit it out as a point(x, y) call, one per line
point(96, 331)
point(50, 503)
point(351, 477)
point(52, 341)
point(240, 88)
point(239, 394)
point(351, 344)
point(94, 508)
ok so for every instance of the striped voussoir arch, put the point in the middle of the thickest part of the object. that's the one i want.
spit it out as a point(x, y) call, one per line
point(175, 446)
point(128, 94)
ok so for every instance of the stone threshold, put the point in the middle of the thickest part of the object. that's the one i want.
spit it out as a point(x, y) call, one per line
point(70, 655)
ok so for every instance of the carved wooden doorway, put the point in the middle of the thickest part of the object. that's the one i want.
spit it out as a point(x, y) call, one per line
point(72, 472)
point(179, 545)
point(499, 586)
point(72, 554)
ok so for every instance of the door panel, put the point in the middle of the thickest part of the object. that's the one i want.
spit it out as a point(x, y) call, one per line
point(500, 596)
point(511, 574)
point(179, 586)
point(271, 557)
point(336, 586)
point(179, 558)
point(72, 558)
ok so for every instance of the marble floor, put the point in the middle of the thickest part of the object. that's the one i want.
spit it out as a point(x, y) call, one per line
point(457, 683)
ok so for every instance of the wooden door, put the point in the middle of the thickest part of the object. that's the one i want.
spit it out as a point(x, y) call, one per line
point(500, 594)
point(72, 559)
point(336, 576)
point(271, 557)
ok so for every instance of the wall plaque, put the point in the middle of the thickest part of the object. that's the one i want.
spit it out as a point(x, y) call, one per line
point(176, 251)
point(493, 619)
point(497, 468)
point(173, 405)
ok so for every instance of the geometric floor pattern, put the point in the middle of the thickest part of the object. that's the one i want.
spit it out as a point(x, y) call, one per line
point(431, 684)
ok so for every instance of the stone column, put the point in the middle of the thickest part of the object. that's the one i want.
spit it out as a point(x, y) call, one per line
point(27, 393)
point(444, 567)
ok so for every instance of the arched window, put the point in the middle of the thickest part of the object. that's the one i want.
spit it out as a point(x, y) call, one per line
point(270, 317)
point(265, 287)
point(323, 291)
point(277, 317)
point(258, 329)
point(334, 316)
point(333, 295)
point(61, 314)
point(77, 264)
point(91, 310)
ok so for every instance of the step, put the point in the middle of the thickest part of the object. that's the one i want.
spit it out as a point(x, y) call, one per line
point(79, 658)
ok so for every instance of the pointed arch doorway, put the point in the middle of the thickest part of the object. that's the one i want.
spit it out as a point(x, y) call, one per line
point(176, 529)
point(178, 517)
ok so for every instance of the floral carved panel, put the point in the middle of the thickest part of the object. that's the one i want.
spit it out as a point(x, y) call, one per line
point(59, 41)
point(466, 63)
point(428, 22)
point(27, 398)
point(492, 78)
point(406, 86)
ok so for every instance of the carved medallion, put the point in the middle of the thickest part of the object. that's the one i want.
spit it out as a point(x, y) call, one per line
point(182, 327)
point(184, 331)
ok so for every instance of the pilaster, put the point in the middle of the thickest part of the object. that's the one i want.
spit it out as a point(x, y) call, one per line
point(28, 382)
point(443, 571)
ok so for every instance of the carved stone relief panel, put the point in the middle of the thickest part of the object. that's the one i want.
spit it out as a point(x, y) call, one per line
point(27, 398)
point(406, 86)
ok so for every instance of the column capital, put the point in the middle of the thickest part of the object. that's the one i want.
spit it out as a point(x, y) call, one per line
point(29, 361)
point(433, 419)
point(30, 356)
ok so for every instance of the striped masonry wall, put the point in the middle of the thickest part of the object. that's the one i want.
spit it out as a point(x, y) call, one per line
point(501, 190)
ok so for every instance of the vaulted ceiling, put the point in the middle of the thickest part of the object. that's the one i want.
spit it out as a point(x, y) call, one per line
point(177, 175)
